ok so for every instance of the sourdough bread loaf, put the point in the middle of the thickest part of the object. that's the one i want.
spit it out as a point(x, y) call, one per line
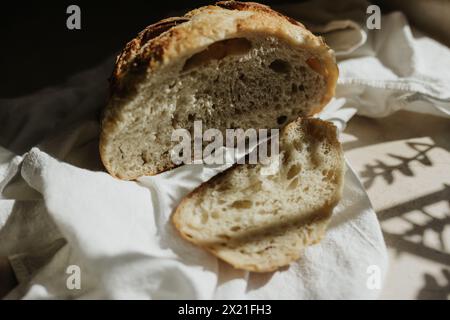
point(258, 221)
point(231, 65)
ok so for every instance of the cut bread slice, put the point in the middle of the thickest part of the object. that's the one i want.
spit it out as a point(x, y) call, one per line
point(231, 65)
point(261, 222)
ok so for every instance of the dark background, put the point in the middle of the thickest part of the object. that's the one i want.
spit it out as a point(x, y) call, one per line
point(37, 50)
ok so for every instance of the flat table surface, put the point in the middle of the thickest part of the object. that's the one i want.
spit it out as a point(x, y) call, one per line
point(404, 163)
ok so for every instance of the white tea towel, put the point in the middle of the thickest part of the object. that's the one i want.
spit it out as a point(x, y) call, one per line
point(380, 71)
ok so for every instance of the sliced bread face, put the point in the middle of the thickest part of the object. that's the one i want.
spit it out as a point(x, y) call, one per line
point(230, 65)
point(261, 222)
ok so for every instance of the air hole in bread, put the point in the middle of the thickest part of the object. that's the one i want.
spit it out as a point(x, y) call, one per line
point(224, 236)
point(218, 51)
point(294, 88)
point(293, 184)
point(328, 175)
point(280, 66)
point(122, 153)
point(256, 187)
point(235, 228)
point(293, 171)
point(223, 187)
point(215, 215)
point(144, 160)
point(242, 204)
point(263, 250)
point(281, 119)
point(205, 217)
point(298, 145)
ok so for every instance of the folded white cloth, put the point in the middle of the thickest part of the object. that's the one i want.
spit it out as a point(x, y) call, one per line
point(119, 234)
point(380, 71)
point(59, 209)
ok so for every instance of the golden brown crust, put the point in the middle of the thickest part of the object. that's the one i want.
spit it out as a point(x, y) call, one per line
point(254, 6)
point(126, 60)
point(180, 37)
